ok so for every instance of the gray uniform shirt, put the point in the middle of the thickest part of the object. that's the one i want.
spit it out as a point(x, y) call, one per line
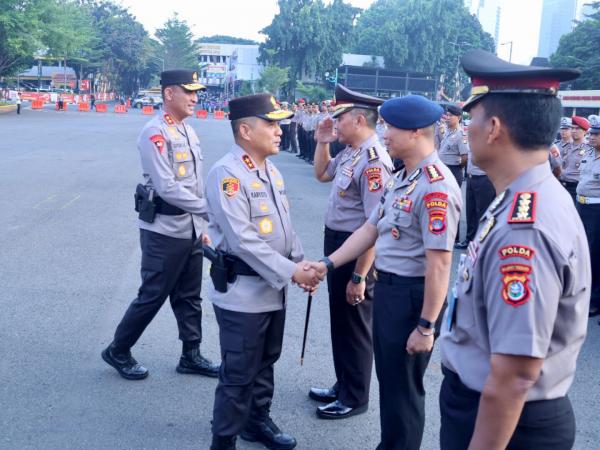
point(572, 155)
point(473, 169)
point(523, 288)
point(359, 177)
point(453, 146)
point(249, 217)
point(172, 165)
point(589, 180)
point(417, 213)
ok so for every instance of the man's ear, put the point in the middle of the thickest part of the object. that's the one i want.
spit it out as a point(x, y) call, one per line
point(245, 131)
point(168, 93)
point(496, 128)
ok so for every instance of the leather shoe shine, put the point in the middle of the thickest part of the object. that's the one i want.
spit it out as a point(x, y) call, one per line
point(337, 410)
point(193, 362)
point(594, 311)
point(325, 395)
point(125, 364)
point(265, 431)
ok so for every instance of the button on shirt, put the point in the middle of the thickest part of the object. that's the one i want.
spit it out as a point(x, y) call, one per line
point(172, 165)
point(453, 146)
point(589, 180)
point(523, 287)
point(359, 177)
point(572, 155)
point(418, 212)
point(249, 218)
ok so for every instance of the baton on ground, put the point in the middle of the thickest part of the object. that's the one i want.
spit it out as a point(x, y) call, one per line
point(305, 328)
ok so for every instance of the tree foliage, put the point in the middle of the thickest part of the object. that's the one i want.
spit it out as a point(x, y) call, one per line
point(272, 78)
point(579, 49)
point(313, 93)
point(223, 39)
point(178, 49)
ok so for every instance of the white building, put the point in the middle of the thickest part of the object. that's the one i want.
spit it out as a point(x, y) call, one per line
point(222, 63)
point(489, 14)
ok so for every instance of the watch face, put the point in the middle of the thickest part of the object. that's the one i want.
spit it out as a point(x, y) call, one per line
point(356, 278)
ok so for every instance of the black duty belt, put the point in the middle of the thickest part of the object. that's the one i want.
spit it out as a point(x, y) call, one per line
point(392, 278)
point(162, 207)
point(337, 234)
point(569, 183)
point(239, 267)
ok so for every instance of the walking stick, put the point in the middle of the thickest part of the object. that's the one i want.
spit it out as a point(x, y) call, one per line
point(305, 328)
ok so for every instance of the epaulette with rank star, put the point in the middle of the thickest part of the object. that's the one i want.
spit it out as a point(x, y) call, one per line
point(248, 162)
point(373, 156)
point(433, 173)
point(523, 208)
point(169, 119)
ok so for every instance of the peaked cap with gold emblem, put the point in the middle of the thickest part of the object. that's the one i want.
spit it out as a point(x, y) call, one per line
point(492, 75)
point(259, 105)
point(345, 100)
point(187, 79)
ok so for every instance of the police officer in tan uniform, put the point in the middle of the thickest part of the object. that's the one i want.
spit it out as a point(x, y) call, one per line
point(573, 154)
point(453, 148)
point(358, 174)
point(172, 210)
point(518, 313)
point(588, 205)
point(252, 229)
point(413, 230)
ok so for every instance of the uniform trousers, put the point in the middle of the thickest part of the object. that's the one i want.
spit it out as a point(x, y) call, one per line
point(250, 346)
point(171, 267)
point(397, 308)
point(590, 216)
point(294, 137)
point(458, 173)
point(312, 145)
point(285, 136)
point(351, 329)
point(480, 193)
point(543, 425)
point(571, 187)
point(302, 141)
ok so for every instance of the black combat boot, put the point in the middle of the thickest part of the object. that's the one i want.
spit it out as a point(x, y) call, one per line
point(192, 361)
point(261, 428)
point(223, 443)
point(124, 363)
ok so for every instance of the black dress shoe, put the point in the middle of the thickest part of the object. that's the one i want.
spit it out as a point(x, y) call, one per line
point(193, 362)
point(125, 364)
point(594, 311)
point(223, 443)
point(323, 395)
point(337, 410)
point(265, 431)
point(461, 245)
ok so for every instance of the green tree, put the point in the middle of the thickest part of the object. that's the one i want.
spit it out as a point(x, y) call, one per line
point(272, 78)
point(313, 93)
point(179, 51)
point(579, 49)
point(223, 39)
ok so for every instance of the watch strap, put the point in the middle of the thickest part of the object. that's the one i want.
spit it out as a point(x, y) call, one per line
point(426, 323)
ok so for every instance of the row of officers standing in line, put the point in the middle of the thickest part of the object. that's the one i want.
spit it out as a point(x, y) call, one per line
point(511, 328)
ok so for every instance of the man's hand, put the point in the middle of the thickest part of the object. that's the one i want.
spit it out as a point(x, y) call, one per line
point(306, 278)
point(206, 239)
point(318, 266)
point(417, 343)
point(355, 293)
point(326, 131)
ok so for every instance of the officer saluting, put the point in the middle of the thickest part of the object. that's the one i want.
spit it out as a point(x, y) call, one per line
point(171, 211)
point(518, 318)
point(258, 254)
point(413, 229)
point(358, 175)
point(588, 205)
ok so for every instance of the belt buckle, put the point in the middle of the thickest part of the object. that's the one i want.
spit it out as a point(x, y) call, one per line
point(582, 199)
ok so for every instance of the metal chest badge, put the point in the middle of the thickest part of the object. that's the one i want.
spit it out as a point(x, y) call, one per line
point(487, 228)
point(496, 202)
point(409, 190)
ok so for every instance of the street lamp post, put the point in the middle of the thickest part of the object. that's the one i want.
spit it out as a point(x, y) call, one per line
point(510, 51)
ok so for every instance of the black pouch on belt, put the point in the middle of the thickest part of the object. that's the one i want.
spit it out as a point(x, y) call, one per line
point(144, 203)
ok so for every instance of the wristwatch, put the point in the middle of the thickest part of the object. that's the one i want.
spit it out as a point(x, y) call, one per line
point(328, 263)
point(357, 278)
point(426, 323)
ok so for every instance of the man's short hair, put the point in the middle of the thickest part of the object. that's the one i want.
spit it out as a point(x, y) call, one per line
point(532, 120)
point(370, 116)
point(235, 125)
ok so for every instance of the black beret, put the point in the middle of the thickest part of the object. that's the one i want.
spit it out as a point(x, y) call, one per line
point(411, 112)
point(187, 79)
point(259, 105)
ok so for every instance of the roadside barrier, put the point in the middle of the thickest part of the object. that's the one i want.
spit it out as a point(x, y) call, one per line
point(148, 110)
point(101, 107)
point(120, 109)
point(37, 104)
point(83, 107)
point(202, 114)
point(219, 115)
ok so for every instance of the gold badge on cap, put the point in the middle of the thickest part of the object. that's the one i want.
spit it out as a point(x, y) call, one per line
point(195, 77)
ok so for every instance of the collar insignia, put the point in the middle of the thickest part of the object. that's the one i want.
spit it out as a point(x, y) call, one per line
point(416, 174)
point(248, 161)
point(169, 119)
point(496, 202)
point(487, 228)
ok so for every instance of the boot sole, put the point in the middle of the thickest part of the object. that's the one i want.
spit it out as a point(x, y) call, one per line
point(108, 360)
point(253, 438)
point(185, 370)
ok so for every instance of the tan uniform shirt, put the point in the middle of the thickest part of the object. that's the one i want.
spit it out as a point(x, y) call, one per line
point(417, 212)
point(250, 218)
point(523, 288)
point(453, 146)
point(572, 155)
point(359, 177)
point(172, 165)
point(589, 179)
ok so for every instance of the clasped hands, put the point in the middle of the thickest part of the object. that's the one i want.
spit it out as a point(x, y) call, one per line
point(309, 274)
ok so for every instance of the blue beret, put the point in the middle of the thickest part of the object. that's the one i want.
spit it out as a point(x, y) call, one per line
point(411, 112)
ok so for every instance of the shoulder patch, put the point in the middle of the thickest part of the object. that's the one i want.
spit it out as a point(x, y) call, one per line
point(515, 283)
point(169, 119)
point(437, 200)
point(433, 173)
point(373, 156)
point(373, 175)
point(248, 162)
point(516, 251)
point(523, 208)
point(230, 186)
point(159, 142)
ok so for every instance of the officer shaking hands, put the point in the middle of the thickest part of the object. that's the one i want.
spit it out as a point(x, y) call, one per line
point(517, 320)
point(257, 255)
point(413, 229)
point(172, 209)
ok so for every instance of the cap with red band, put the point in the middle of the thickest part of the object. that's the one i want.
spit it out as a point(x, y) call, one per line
point(492, 75)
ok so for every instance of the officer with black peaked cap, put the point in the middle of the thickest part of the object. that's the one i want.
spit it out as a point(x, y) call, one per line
point(518, 314)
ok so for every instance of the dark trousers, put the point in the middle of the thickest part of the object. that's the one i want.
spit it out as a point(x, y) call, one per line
point(250, 345)
point(590, 216)
point(312, 145)
point(397, 308)
point(351, 329)
point(480, 193)
point(571, 187)
point(285, 137)
point(544, 424)
point(294, 137)
point(302, 141)
point(170, 268)
point(18, 108)
point(458, 173)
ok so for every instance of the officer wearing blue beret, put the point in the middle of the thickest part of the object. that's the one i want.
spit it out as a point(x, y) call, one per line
point(413, 230)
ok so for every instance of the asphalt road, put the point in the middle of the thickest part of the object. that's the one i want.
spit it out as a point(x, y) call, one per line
point(69, 266)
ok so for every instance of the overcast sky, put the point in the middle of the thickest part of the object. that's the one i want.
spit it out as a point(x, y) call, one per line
point(244, 18)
